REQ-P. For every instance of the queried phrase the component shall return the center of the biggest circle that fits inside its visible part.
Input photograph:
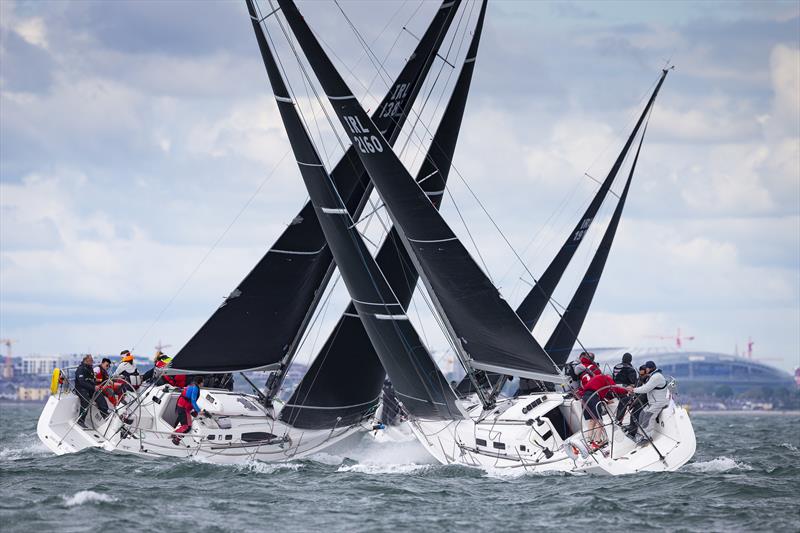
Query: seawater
(744, 477)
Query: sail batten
(473, 310)
(263, 326)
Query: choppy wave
(87, 496)
(719, 464)
(376, 468)
(790, 447)
(23, 446)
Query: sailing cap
(650, 364)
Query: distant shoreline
(749, 412)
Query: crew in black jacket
(85, 388)
(624, 374)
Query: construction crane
(8, 367)
(678, 338)
(160, 347)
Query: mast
(331, 391)
(486, 331)
(561, 341)
(259, 325)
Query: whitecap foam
(87, 496)
(258, 467)
(376, 468)
(326, 458)
(788, 446)
(23, 450)
(719, 464)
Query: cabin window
(523, 448)
(499, 445)
(480, 442)
(211, 437)
(228, 437)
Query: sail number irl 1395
(366, 143)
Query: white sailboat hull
(509, 439)
(238, 429)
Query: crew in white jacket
(657, 398)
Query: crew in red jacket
(587, 360)
(595, 390)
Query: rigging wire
(214, 245)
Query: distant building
(706, 378)
(39, 366)
(32, 394)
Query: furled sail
(259, 324)
(563, 337)
(535, 302)
(331, 392)
(416, 377)
(490, 334)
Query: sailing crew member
(624, 374)
(657, 399)
(587, 360)
(187, 408)
(86, 388)
(126, 375)
(596, 390)
(103, 379)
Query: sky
(144, 168)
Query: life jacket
(666, 383)
(590, 365)
(100, 374)
(184, 400)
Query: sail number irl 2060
(366, 143)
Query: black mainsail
(417, 379)
(487, 333)
(331, 392)
(259, 324)
(561, 341)
(535, 302)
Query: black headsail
(535, 302)
(260, 323)
(417, 380)
(563, 337)
(332, 392)
(487, 332)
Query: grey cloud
(26, 67)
